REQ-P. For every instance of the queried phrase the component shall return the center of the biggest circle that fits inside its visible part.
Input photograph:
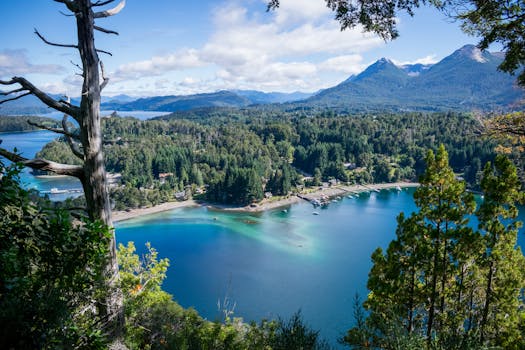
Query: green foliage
(442, 285)
(19, 123)
(239, 155)
(51, 272)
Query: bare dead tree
(87, 145)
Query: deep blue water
(275, 263)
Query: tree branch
(11, 92)
(45, 165)
(69, 138)
(105, 80)
(106, 52)
(54, 44)
(104, 30)
(15, 98)
(102, 3)
(66, 14)
(71, 5)
(42, 96)
(112, 11)
(55, 130)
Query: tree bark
(95, 183)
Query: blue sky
(183, 47)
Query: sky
(170, 47)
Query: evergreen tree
(442, 282)
(503, 262)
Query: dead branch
(55, 130)
(15, 98)
(69, 138)
(106, 52)
(102, 3)
(71, 5)
(42, 96)
(11, 92)
(66, 14)
(54, 44)
(77, 65)
(112, 11)
(105, 80)
(45, 165)
(104, 30)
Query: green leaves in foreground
(50, 273)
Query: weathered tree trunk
(433, 294)
(92, 173)
(94, 182)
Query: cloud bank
(297, 47)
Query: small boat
(351, 197)
(55, 190)
(285, 211)
(398, 188)
(315, 213)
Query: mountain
(27, 105)
(234, 98)
(181, 103)
(415, 69)
(466, 80)
(258, 97)
(118, 99)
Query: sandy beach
(265, 204)
(133, 213)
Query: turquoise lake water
(274, 263)
(269, 264)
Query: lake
(28, 144)
(267, 264)
(277, 262)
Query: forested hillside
(235, 156)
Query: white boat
(55, 190)
(315, 213)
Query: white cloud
(15, 62)
(348, 64)
(429, 59)
(158, 65)
(286, 50)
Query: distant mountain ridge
(466, 80)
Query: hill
(466, 80)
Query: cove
(277, 262)
(273, 263)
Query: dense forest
(20, 123)
(235, 156)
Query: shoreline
(265, 204)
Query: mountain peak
(472, 52)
